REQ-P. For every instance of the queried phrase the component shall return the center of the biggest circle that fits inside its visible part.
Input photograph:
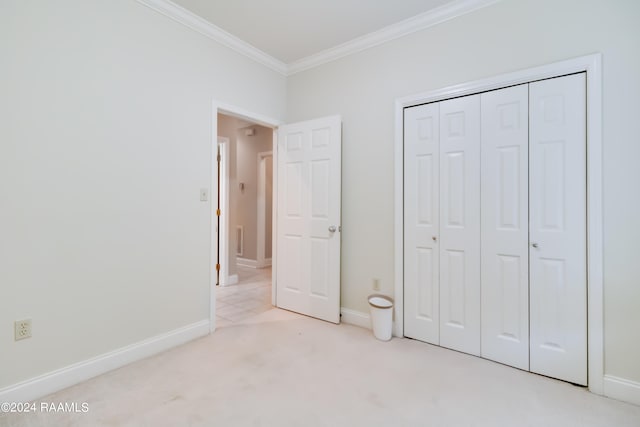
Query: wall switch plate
(204, 194)
(22, 329)
(376, 284)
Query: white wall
(508, 36)
(105, 141)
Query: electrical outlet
(204, 194)
(376, 284)
(22, 329)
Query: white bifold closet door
(421, 221)
(442, 223)
(534, 227)
(505, 226)
(495, 226)
(558, 252)
(460, 224)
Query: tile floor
(250, 296)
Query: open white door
(308, 224)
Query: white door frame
(223, 232)
(592, 64)
(262, 203)
(241, 113)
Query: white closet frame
(592, 65)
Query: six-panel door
(308, 225)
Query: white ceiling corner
(204, 27)
(411, 25)
(445, 12)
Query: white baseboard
(356, 318)
(231, 280)
(252, 263)
(622, 389)
(245, 262)
(82, 371)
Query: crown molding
(204, 27)
(416, 23)
(411, 25)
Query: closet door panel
(460, 224)
(505, 229)
(421, 223)
(558, 278)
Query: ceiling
(290, 30)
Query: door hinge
(217, 267)
(219, 157)
(217, 212)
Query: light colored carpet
(281, 369)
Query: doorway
(305, 221)
(244, 210)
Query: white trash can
(381, 309)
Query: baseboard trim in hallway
(82, 371)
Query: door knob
(332, 229)
(535, 245)
(434, 238)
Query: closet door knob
(434, 238)
(535, 245)
(332, 229)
